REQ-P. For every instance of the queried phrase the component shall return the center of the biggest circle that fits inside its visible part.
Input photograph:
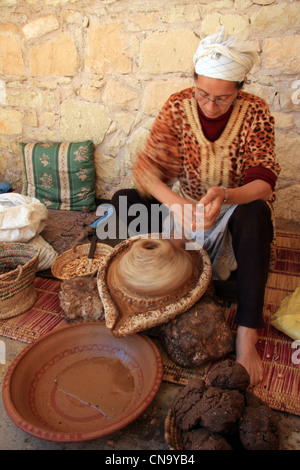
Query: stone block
(3, 162)
(40, 26)
(183, 14)
(290, 98)
(13, 170)
(89, 93)
(282, 53)
(287, 204)
(55, 57)
(114, 143)
(266, 92)
(8, 3)
(5, 142)
(51, 83)
(237, 25)
(82, 121)
(39, 134)
(58, 3)
(47, 119)
(75, 17)
(125, 121)
(135, 144)
(11, 58)
(263, 2)
(167, 52)
(241, 4)
(2, 92)
(287, 152)
(105, 167)
(107, 50)
(220, 4)
(283, 120)
(30, 117)
(117, 94)
(9, 28)
(276, 17)
(30, 98)
(143, 21)
(10, 122)
(158, 91)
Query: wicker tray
(81, 251)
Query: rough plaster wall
(101, 69)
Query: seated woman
(218, 142)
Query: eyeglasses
(219, 102)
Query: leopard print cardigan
(179, 149)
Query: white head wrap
(224, 57)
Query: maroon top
(213, 127)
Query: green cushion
(60, 174)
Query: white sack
(21, 217)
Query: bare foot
(247, 355)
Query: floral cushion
(60, 174)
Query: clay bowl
(128, 312)
(35, 404)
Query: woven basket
(172, 433)
(18, 266)
(69, 256)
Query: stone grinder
(146, 281)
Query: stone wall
(101, 69)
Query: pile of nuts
(78, 266)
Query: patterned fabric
(224, 57)
(178, 148)
(61, 175)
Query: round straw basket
(172, 432)
(73, 262)
(18, 266)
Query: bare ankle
(247, 334)
(247, 355)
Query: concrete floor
(145, 433)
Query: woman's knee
(254, 209)
(253, 217)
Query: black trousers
(252, 233)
